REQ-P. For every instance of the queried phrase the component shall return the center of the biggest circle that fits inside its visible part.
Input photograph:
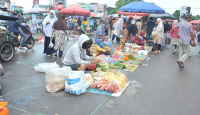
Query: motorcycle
(7, 49)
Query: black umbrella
(9, 18)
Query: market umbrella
(36, 11)
(8, 18)
(195, 22)
(169, 20)
(142, 7)
(75, 11)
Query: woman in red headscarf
(59, 31)
(139, 40)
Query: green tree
(121, 3)
(113, 11)
(177, 14)
(152, 2)
(197, 17)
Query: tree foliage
(121, 3)
(177, 14)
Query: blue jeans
(148, 38)
(109, 44)
(23, 38)
(113, 37)
(60, 53)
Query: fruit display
(103, 66)
(89, 79)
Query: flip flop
(180, 64)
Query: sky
(168, 5)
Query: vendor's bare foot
(122, 50)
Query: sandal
(55, 54)
(180, 64)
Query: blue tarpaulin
(144, 7)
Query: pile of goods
(123, 65)
(110, 81)
(89, 79)
(103, 66)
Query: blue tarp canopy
(144, 7)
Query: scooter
(29, 41)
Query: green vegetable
(120, 65)
(122, 61)
(131, 57)
(113, 67)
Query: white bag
(75, 82)
(51, 44)
(55, 79)
(43, 67)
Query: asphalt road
(162, 88)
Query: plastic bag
(153, 33)
(55, 79)
(51, 44)
(75, 82)
(43, 67)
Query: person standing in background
(79, 21)
(118, 28)
(129, 21)
(197, 28)
(110, 26)
(47, 28)
(91, 24)
(22, 19)
(124, 24)
(59, 31)
(175, 38)
(149, 28)
(159, 36)
(185, 32)
(139, 26)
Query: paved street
(162, 88)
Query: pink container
(102, 56)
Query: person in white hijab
(118, 29)
(159, 36)
(47, 28)
(76, 55)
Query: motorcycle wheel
(6, 52)
(30, 43)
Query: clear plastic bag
(43, 67)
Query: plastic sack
(75, 82)
(55, 79)
(43, 67)
(51, 44)
(153, 33)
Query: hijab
(60, 24)
(98, 42)
(119, 24)
(48, 27)
(160, 28)
(175, 22)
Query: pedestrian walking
(159, 36)
(47, 28)
(175, 39)
(185, 31)
(59, 31)
(149, 28)
(118, 29)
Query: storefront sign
(59, 6)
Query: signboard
(184, 10)
(35, 3)
(84, 6)
(59, 6)
(2, 2)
